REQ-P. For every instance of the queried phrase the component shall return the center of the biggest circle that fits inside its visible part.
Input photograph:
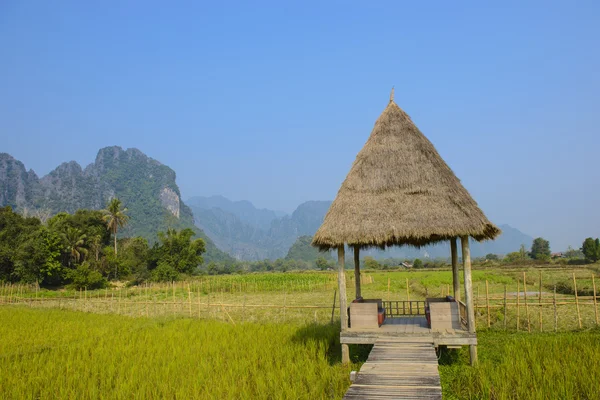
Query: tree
(114, 217)
(491, 257)
(321, 263)
(74, 242)
(371, 263)
(178, 250)
(417, 263)
(540, 249)
(591, 249)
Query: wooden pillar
(466, 256)
(343, 306)
(357, 270)
(455, 277)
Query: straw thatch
(400, 191)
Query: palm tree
(96, 243)
(114, 217)
(74, 241)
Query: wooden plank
(398, 369)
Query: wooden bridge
(399, 368)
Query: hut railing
(401, 308)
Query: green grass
(47, 354)
(526, 366)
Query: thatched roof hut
(400, 191)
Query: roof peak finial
(392, 95)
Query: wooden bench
(366, 313)
(443, 314)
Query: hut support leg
(342, 288)
(357, 270)
(343, 307)
(466, 255)
(455, 277)
(345, 354)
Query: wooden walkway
(398, 368)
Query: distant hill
(230, 225)
(146, 187)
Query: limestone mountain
(146, 187)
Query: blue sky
(271, 101)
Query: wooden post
(595, 301)
(343, 307)
(487, 302)
(576, 300)
(407, 290)
(342, 287)
(357, 271)
(541, 317)
(518, 305)
(455, 276)
(504, 307)
(466, 256)
(525, 298)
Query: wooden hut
(399, 191)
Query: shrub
(164, 273)
(83, 277)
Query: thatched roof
(400, 191)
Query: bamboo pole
(407, 290)
(576, 300)
(333, 308)
(504, 307)
(525, 298)
(518, 305)
(595, 301)
(189, 299)
(487, 301)
(174, 308)
(555, 312)
(284, 308)
(540, 301)
(388, 295)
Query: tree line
(83, 249)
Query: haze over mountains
(248, 233)
(152, 197)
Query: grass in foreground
(526, 366)
(69, 355)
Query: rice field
(524, 366)
(49, 354)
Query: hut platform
(399, 368)
(408, 329)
